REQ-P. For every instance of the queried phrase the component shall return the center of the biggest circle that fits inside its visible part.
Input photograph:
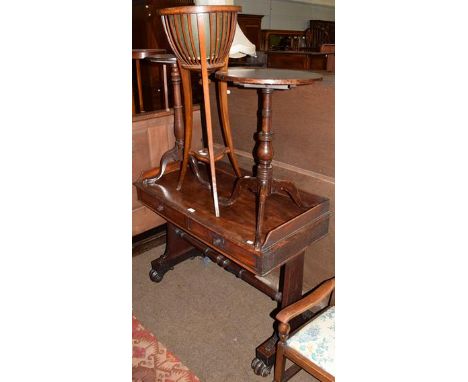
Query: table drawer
(221, 244)
(164, 210)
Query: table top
(139, 54)
(268, 76)
(166, 58)
(287, 230)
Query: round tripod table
(267, 80)
(175, 155)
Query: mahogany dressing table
(235, 240)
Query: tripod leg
(206, 98)
(209, 134)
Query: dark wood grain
(191, 210)
(312, 299)
(322, 32)
(140, 54)
(298, 60)
(176, 252)
(230, 266)
(251, 25)
(165, 58)
(267, 76)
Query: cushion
(316, 341)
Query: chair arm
(306, 302)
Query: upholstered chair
(312, 346)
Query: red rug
(152, 362)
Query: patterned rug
(152, 362)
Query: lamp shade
(241, 46)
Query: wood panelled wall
(152, 136)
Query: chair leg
(280, 363)
(188, 110)
(223, 105)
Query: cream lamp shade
(241, 46)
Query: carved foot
(244, 182)
(260, 368)
(158, 271)
(155, 276)
(173, 155)
(286, 188)
(177, 251)
(196, 171)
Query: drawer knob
(218, 241)
(160, 208)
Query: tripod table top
(266, 77)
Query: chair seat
(316, 341)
